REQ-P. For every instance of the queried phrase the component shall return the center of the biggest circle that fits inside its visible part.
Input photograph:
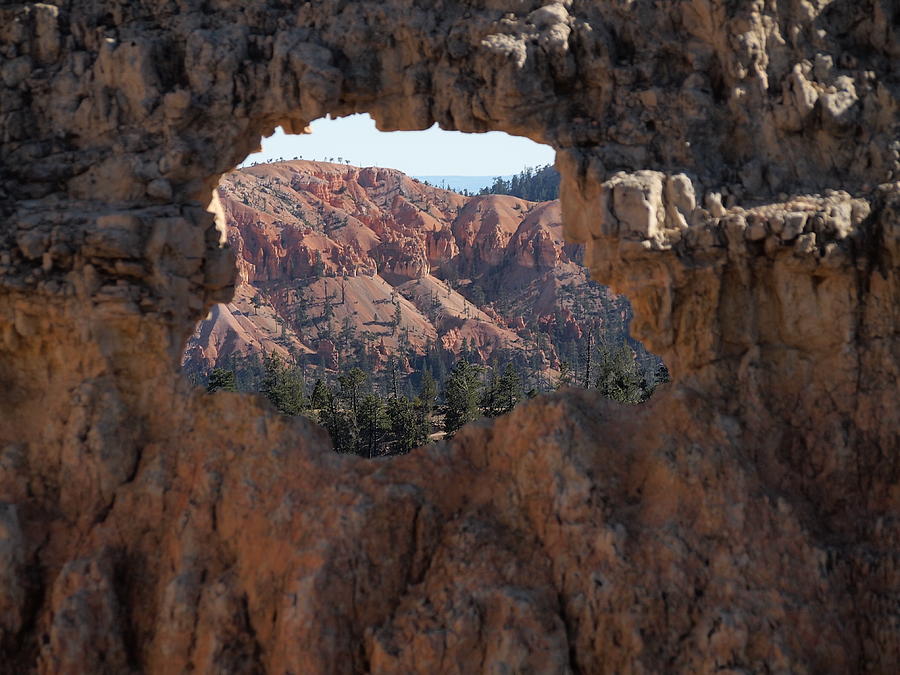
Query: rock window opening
(393, 307)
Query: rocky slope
(733, 167)
(371, 240)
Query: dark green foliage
(372, 423)
(391, 384)
(301, 316)
(351, 385)
(373, 408)
(425, 401)
(462, 394)
(428, 391)
(340, 424)
(510, 390)
(283, 386)
(490, 395)
(318, 269)
(221, 379)
(536, 185)
(620, 377)
(320, 396)
(406, 422)
(347, 335)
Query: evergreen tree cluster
(539, 184)
(363, 420)
(374, 408)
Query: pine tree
(428, 393)
(462, 393)
(619, 375)
(300, 314)
(221, 379)
(490, 395)
(283, 386)
(405, 425)
(319, 398)
(371, 422)
(351, 382)
(537, 185)
(510, 389)
(398, 317)
(318, 269)
(339, 424)
(428, 390)
(346, 336)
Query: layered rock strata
(372, 240)
(732, 167)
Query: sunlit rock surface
(374, 240)
(732, 167)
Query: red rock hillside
(326, 250)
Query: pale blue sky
(417, 153)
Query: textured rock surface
(380, 237)
(732, 167)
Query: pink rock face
(731, 167)
(381, 224)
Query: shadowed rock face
(732, 167)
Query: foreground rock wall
(732, 167)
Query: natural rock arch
(745, 518)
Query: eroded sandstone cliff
(732, 167)
(374, 240)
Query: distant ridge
(459, 183)
(341, 265)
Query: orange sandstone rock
(732, 167)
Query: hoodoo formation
(326, 253)
(732, 167)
